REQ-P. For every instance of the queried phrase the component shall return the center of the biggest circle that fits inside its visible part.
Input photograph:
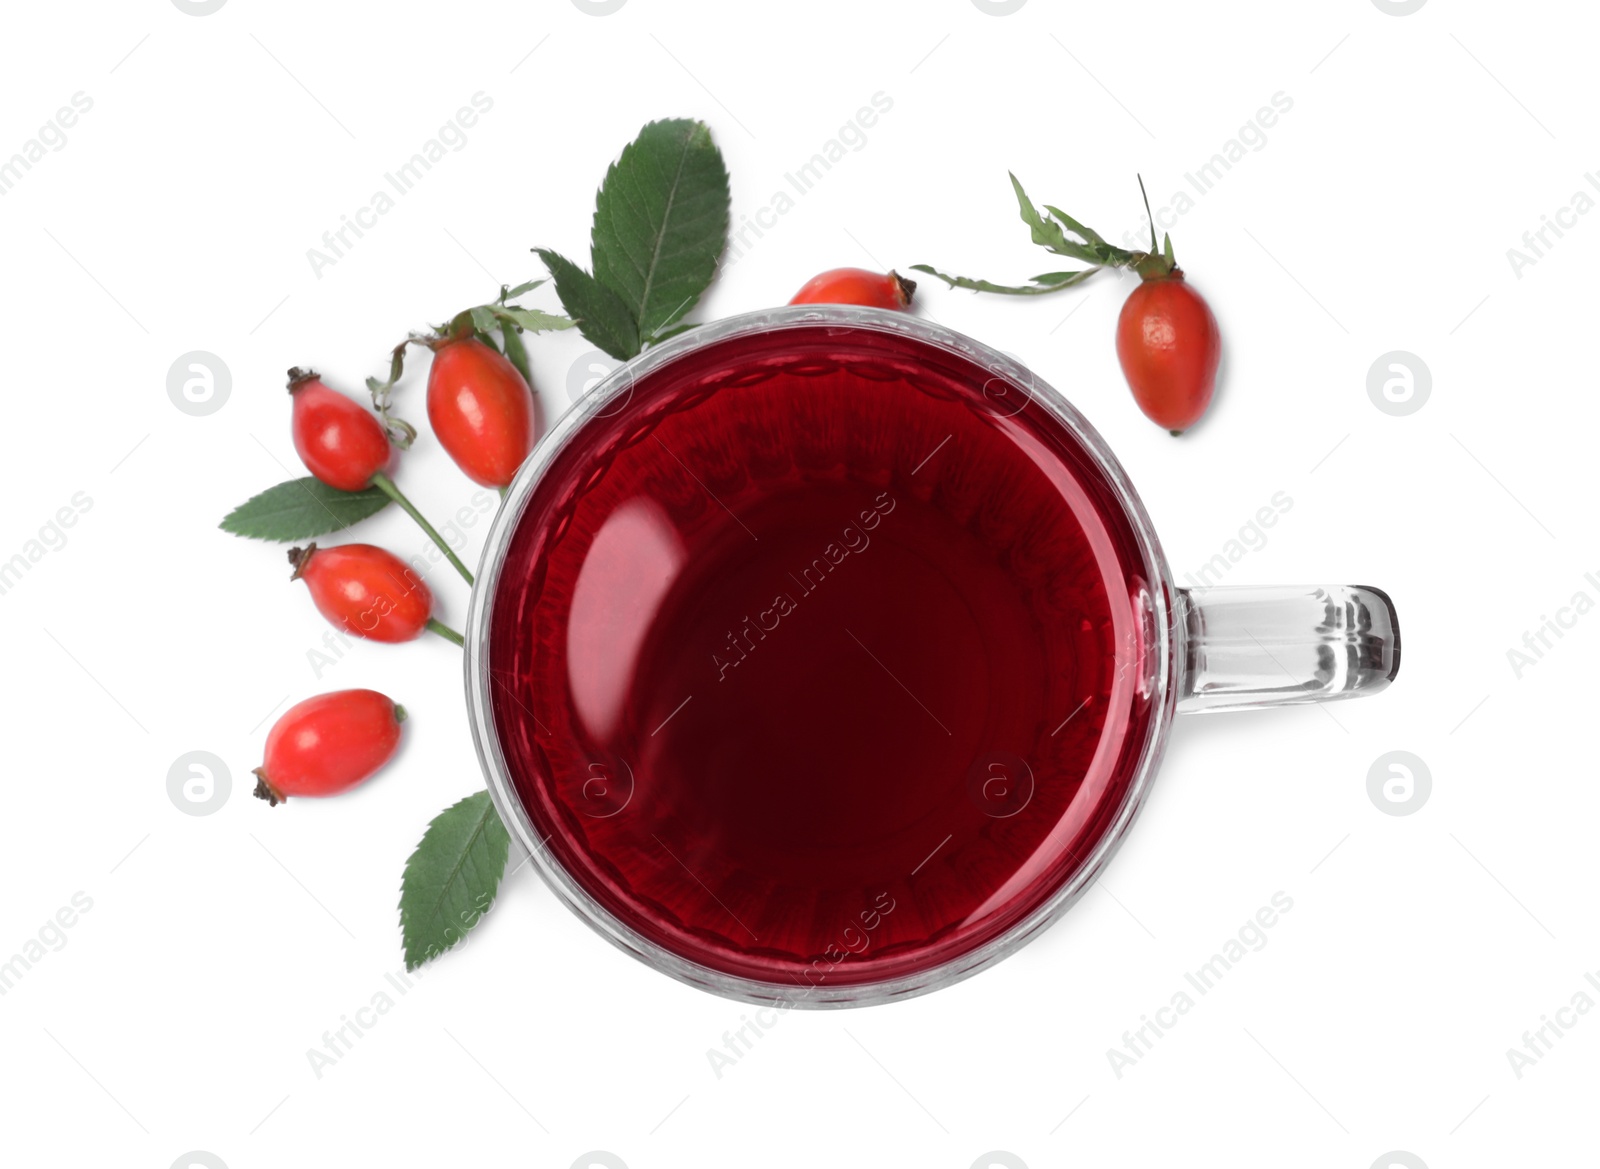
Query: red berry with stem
(481, 410)
(857, 286)
(348, 449)
(1168, 342)
(367, 592)
(328, 744)
(339, 441)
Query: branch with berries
(666, 197)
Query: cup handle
(1251, 647)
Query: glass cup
(1176, 651)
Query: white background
(1377, 217)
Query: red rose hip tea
(814, 656)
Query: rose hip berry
(857, 286)
(1169, 347)
(328, 744)
(365, 590)
(1168, 342)
(339, 442)
(481, 410)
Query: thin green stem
(1154, 247)
(444, 631)
(386, 485)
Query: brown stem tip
(906, 287)
(298, 377)
(299, 558)
(265, 790)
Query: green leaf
(301, 509)
(661, 222)
(1044, 232)
(482, 318)
(451, 879)
(1094, 250)
(601, 314)
(517, 354)
(1039, 288)
(534, 320)
(397, 365)
(512, 293)
(1053, 235)
(1166, 249)
(1099, 251)
(400, 432)
(1088, 233)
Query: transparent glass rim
(1164, 647)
